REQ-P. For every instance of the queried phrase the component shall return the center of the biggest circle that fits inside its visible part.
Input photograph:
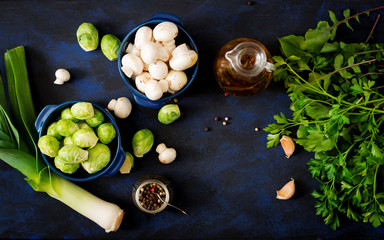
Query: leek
(18, 148)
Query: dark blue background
(226, 178)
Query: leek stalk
(18, 148)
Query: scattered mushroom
(166, 155)
(62, 76)
(122, 107)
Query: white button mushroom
(158, 70)
(162, 52)
(165, 31)
(168, 43)
(132, 49)
(183, 60)
(153, 90)
(141, 80)
(180, 49)
(149, 52)
(176, 79)
(164, 84)
(122, 107)
(143, 35)
(62, 76)
(166, 155)
(133, 62)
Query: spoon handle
(186, 213)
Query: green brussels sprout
(66, 127)
(110, 46)
(65, 168)
(82, 110)
(142, 142)
(169, 113)
(67, 114)
(96, 120)
(98, 157)
(70, 154)
(87, 36)
(52, 131)
(106, 133)
(49, 145)
(68, 140)
(84, 138)
(128, 163)
(83, 125)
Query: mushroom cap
(141, 80)
(165, 31)
(62, 74)
(158, 70)
(177, 80)
(132, 61)
(153, 90)
(143, 35)
(149, 52)
(183, 60)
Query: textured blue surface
(226, 177)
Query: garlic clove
(288, 145)
(287, 191)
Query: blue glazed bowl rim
(126, 80)
(93, 175)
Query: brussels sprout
(66, 127)
(142, 142)
(83, 125)
(106, 133)
(70, 154)
(169, 113)
(82, 110)
(52, 131)
(87, 36)
(98, 157)
(65, 168)
(110, 46)
(96, 120)
(84, 138)
(128, 163)
(68, 140)
(49, 145)
(67, 114)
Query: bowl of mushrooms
(158, 60)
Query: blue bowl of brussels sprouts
(156, 65)
(79, 140)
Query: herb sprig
(337, 114)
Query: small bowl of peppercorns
(146, 191)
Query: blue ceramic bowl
(51, 113)
(182, 37)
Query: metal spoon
(186, 213)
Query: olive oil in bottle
(243, 67)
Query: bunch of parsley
(338, 114)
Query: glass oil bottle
(243, 67)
